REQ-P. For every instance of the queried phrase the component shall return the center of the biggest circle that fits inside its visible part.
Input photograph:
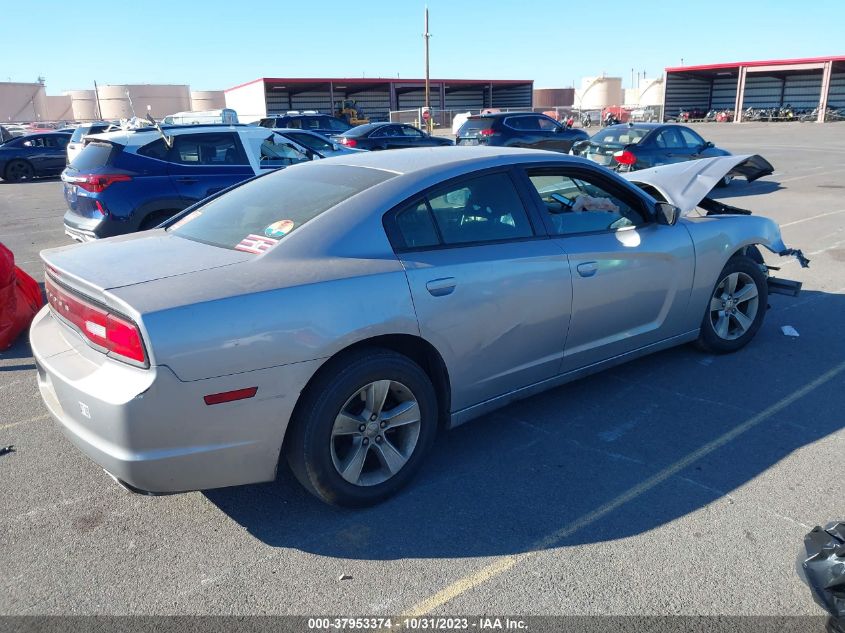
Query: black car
(631, 146)
(375, 136)
(312, 122)
(518, 129)
(33, 155)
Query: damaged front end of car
(688, 186)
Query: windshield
(256, 215)
(623, 135)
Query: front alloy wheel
(736, 307)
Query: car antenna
(168, 140)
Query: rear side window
(254, 216)
(207, 149)
(93, 156)
(156, 149)
(473, 211)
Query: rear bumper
(154, 432)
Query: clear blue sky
(214, 45)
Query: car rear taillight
(116, 335)
(624, 157)
(349, 142)
(487, 132)
(97, 183)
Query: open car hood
(686, 184)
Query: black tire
(18, 170)
(309, 440)
(155, 218)
(708, 339)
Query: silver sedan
(338, 314)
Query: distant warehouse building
(375, 97)
(817, 82)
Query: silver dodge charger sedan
(338, 313)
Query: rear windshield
(623, 135)
(256, 215)
(92, 156)
(472, 127)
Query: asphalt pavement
(681, 483)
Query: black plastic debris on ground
(825, 571)
(7, 449)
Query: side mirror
(667, 214)
(707, 145)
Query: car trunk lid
(102, 265)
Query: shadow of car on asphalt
(501, 484)
(740, 188)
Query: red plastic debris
(20, 299)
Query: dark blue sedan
(33, 156)
(631, 146)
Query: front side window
(547, 125)
(207, 149)
(277, 151)
(409, 131)
(272, 206)
(336, 125)
(691, 139)
(574, 205)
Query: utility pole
(426, 37)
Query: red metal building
(815, 82)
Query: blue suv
(133, 180)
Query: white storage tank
(596, 93)
(202, 100)
(651, 91)
(83, 104)
(162, 99)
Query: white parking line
(504, 563)
(812, 217)
(820, 173)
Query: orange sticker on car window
(279, 229)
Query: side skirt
(476, 410)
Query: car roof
(142, 136)
(501, 115)
(446, 158)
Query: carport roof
(767, 62)
(380, 80)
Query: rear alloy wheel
(18, 170)
(362, 428)
(736, 308)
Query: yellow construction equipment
(349, 110)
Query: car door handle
(188, 180)
(441, 287)
(587, 269)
